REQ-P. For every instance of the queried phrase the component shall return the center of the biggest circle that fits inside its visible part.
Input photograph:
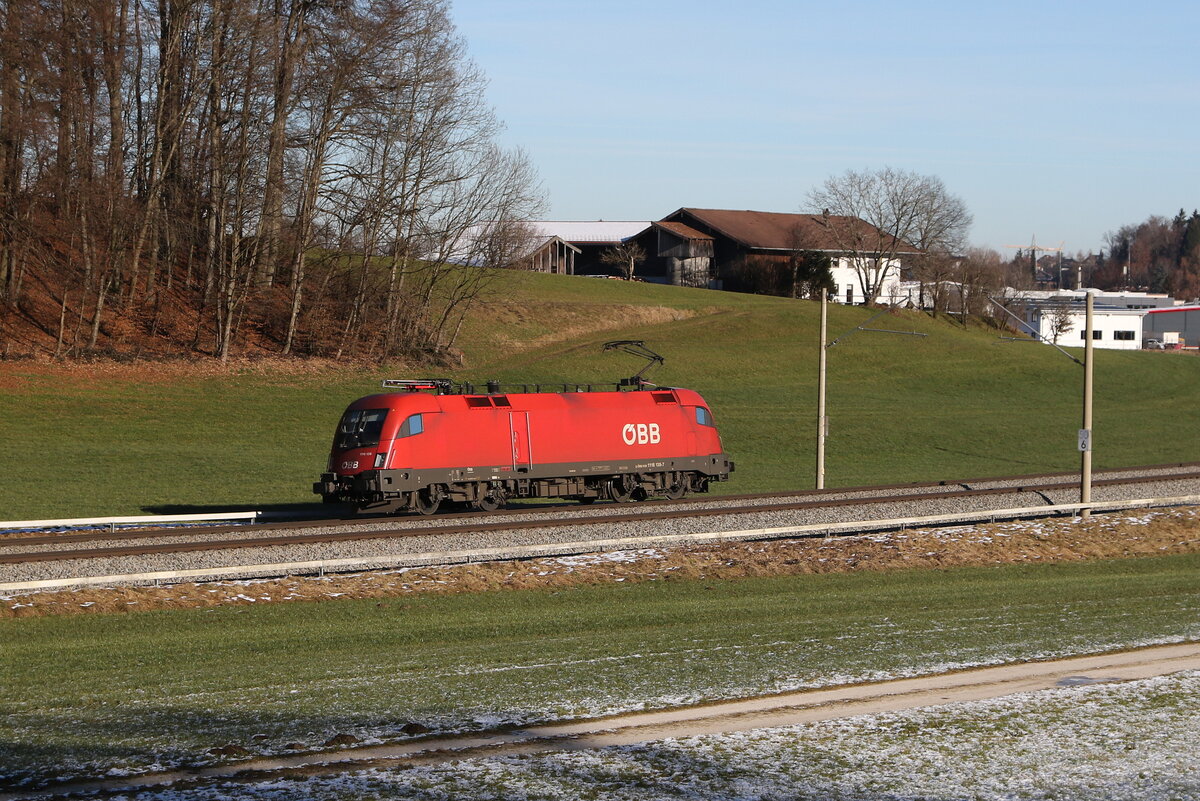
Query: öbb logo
(641, 433)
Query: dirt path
(754, 713)
(890, 696)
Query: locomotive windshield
(360, 428)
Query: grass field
(94, 694)
(959, 402)
(1126, 741)
(98, 693)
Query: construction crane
(1033, 247)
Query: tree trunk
(290, 49)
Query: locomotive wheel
(678, 487)
(426, 501)
(622, 489)
(490, 502)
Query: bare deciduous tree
(1059, 321)
(506, 244)
(624, 257)
(906, 214)
(213, 148)
(981, 274)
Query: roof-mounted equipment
(635, 347)
(445, 386)
(438, 385)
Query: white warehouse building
(1116, 329)
(1059, 316)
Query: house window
(1097, 334)
(1125, 335)
(849, 293)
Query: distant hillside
(520, 310)
(957, 402)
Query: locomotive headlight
(380, 460)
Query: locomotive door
(518, 427)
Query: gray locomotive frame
(489, 487)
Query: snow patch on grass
(1136, 740)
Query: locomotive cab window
(412, 425)
(360, 428)
(704, 416)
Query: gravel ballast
(411, 549)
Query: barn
(753, 251)
(588, 240)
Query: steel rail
(556, 508)
(548, 507)
(578, 521)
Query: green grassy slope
(88, 693)
(958, 402)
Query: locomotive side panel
(619, 427)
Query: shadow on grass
(652, 770)
(992, 456)
(180, 742)
(173, 739)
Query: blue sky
(1060, 120)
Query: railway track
(27, 558)
(782, 500)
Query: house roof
(770, 230)
(1170, 309)
(544, 241)
(591, 232)
(682, 231)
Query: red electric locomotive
(431, 441)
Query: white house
(848, 283)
